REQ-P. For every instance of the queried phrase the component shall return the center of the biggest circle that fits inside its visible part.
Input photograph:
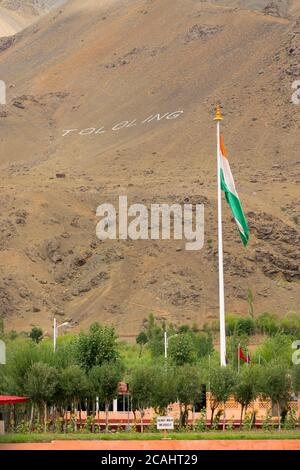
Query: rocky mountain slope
(15, 15)
(91, 65)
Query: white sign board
(165, 423)
(2, 92)
(2, 352)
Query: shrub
(278, 346)
(247, 422)
(230, 424)
(290, 421)
(231, 322)
(238, 325)
(36, 334)
(267, 422)
(152, 426)
(182, 349)
(290, 324)
(267, 323)
(204, 344)
(201, 422)
(216, 420)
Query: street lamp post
(166, 343)
(55, 331)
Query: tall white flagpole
(54, 333)
(219, 118)
(166, 345)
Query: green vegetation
(188, 384)
(153, 436)
(263, 324)
(164, 389)
(90, 365)
(246, 388)
(142, 389)
(104, 381)
(141, 339)
(275, 384)
(40, 385)
(97, 346)
(222, 385)
(36, 334)
(296, 378)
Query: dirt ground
(159, 445)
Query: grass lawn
(219, 435)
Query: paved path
(159, 445)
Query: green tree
(188, 388)
(203, 343)
(155, 334)
(20, 359)
(36, 334)
(296, 378)
(278, 346)
(246, 388)
(141, 340)
(238, 325)
(163, 388)
(290, 323)
(182, 349)
(74, 387)
(275, 384)
(141, 387)
(65, 354)
(12, 335)
(97, 346)
(267, 324)
(183, 329)
(222, 383)
(1, 325)
(40, 385)
(105, 380)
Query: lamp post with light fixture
(55, 331)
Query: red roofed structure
(10, 400)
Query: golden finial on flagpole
(218, 116)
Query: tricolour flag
(231, 195)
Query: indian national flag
(228, 186)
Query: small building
(7, 407)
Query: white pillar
(115, 405)
(166, 344)
(220, 251)
(54, 334)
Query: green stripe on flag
(236, 210)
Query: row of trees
(273, 381)
(264, 324)
(92, 364)
(185, 344)
(156, 387)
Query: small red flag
(243, 357)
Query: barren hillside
(93, 64)
(15, 15)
